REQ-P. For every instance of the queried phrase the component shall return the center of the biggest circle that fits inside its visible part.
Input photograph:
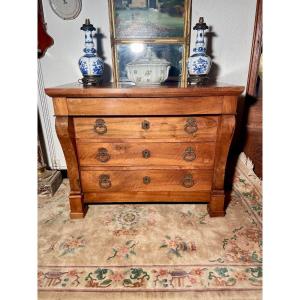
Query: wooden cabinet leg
(66, 135)
(216, 206)
(77, 208)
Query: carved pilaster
(65, 132)
(225, 134)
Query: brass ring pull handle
(189, 154)
(103, 155)
(100, 126)
(145, 124)
(104, 181)
(188, 181)
(146, 153)
(190, 126)
(146, 179)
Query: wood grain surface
(124, 196)
(65, 132)
(172, 128)
(198, 155)
(161, 180)
(216, 206)
(122, 90)
(165, 143)
(146, 106)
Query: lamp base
(198, 80)
(91, 80)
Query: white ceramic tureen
(148, 70)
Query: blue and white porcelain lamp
(90, 64)
(199, 63)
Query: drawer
(146, 180)
(198, 155)
(145, 106)
(182, 128)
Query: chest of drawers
(151, 144)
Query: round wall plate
(66, 9)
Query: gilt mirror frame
(119, 40)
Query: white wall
(60, 64)
(231, 20)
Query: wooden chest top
(126, 90)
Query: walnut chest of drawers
(145, 144)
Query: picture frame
(164, 25)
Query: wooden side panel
(172, 128)
(105, 197)
(198, 155)
(65, 132)
(160, 180)
(145, 106)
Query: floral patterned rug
(153, 247)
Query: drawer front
(198, 155)
(146, 180)
(145, 106)
(183, 128)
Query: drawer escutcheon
(145, 124)
(146, 179)
(146, 153)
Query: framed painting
(162, 24)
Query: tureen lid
(149, 58)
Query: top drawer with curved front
(174, 128)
